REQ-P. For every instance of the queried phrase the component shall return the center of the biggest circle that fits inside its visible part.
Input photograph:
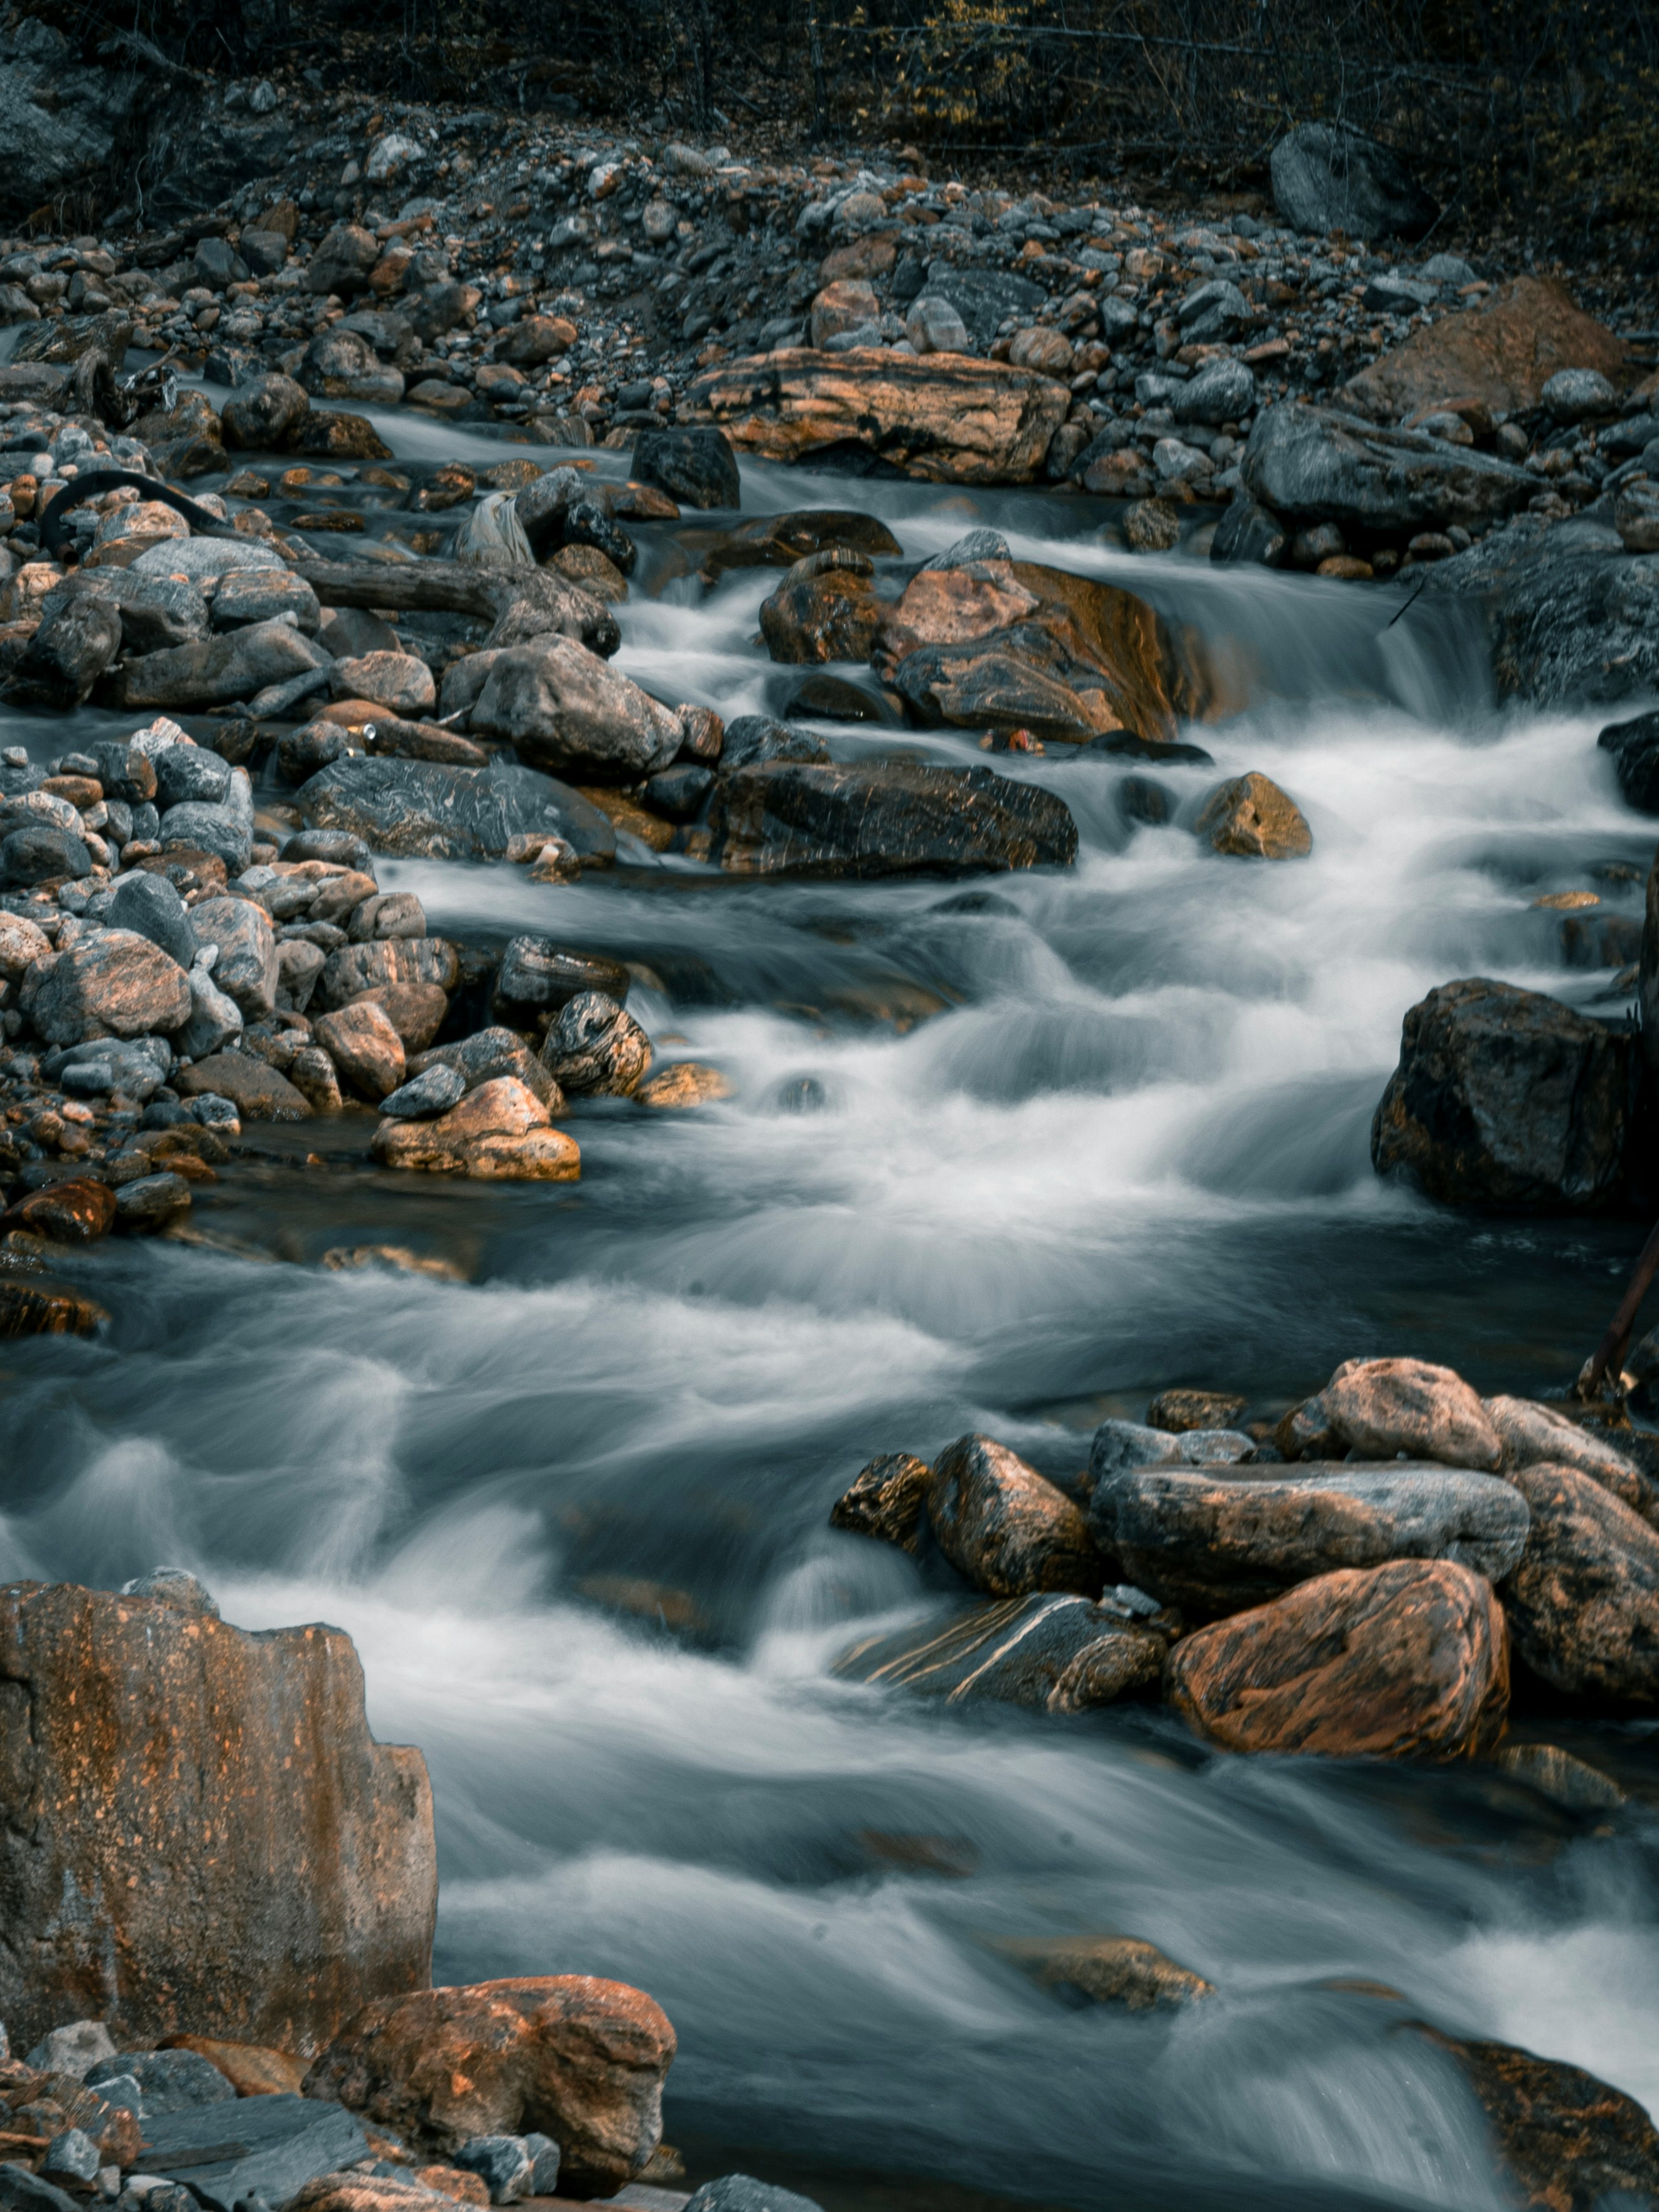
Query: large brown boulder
(1499, 356)
(1503, 1097)
(571, 2057)
(200, 1832)
(1006, 1527)
(1404, 1661)
(1212, 1541)
(1382, 1407)
(1566, 2141)
(951, 419)
(1584, 1603)
(1532, 1432)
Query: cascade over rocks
(1503, 1097)
(319, 1891)
(568, 2055)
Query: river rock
(1060, 1654)
(1118, 1445)
(318, 1894)
(1384, 1408)
(214, 671)
(887, 1499)
(778, 541)
(538, 976)
(1408, 1660)
(1213, 1543)
(1584, 1603)
(563, 708)
(257, 1091)
(884, 818)
(216, 1020)
(22, 943)
(1222, 392)
(982, 297)
(397, 681)
(341, 262)
(351, 970)
(695, 466)
(1251, 818)
(1499, 355)
(595, 1049)
(1006, 1528)
(1106, 1969)
(114, 984)
(825, 609)
(434, 1090)
(1329, 176)
(78, 1211)
(1503, 1097)
(271, 2148)
(502, 2163)
(499, 1132)
(42, 853)
(77, 639)
(947, 418)
(1568, 622)
(1314, 464)
(1564, 2139)
(1634, 745)
(1531, 1433)
(261, 413)
(568, 2055)
(364, 1046)
(421, 807)
(487, 1053)
(246, 970)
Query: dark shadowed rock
(1212, 1543)
(1314, 464)
(1634, 745)
(317, 1891)
(1250, 531)
(887, 1498)
(595, 1049)
(41, 853)
(878, 818)
(1060, 1654)
(538, 976)
(257, 1091)
(1404, 1661)
(568, 2055)
(77, 639)
(403, 806)
(1568, 622)
(1566, 2141)
(695, 466)
(213, 671)
(1006, 1528)
(1584, 1603)
(261, 413)
(825, 609)
(1329, 176)
(1503, 1097)
(778, 541)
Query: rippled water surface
(1100, 1132)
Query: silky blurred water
(1103, 1132)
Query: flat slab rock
(885, 819)
(406, 806)
(1317, 463)
(272, 2145)
(1213, 1542)
(947, 418)
(1060, 1654)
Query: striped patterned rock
(1062, 1654)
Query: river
(1008, 1162)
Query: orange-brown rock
(1501, 354)
(887, 1498)
(76, 1213)
(453, 2181)
(578, 2059)
(201, 1833)
(253, 2069)
(1405, 1660)
(947, 418)
(354, 2192)
(41, 1310)
(1584, 1604)
(1108, 1969)
(499, 1132)
(1566, 2141)
(825, 609)
(1382, 1407)
(1005, 1526)
(1250, 818)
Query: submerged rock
(884, 818)
(1503, 1097)
(1409, 1660)
(886, 1499)
(317, 1892)
(1106, 1969)
(1060, 1654)
(579, 2059)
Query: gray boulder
(78, 639)
(1327, 176)
(341, 262)
(1572, 617)
(1313, 463)
(213, 1021)
(1212, 310)
(73, 2050)
(1119, 1446)
(214, 671)
(258, 595)
(224, 827)
(275, 2146)
(1222, 392)
(155, 611)
(261, 413)
(168, 2080)
(982, 297)
(566, 709)
(406, 806)
(246, 969)
(151, 907)
(190, 772)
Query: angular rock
(1409, 1660)
(1584, 1603)
(594, 1050)
(1383, 1408)
(1634, 745)
(266, 2148)
(1106, 1969)
(215, 1019)
(1329, 176)
(257, 1091)
(365, 1047)
(1499, 355)
(217, 669)
(487, 1053)
(502, 2163)
(887, 1498)
(576, 2059)
(1251, 818)
(434, 1090)
(404, 807)
(1004, 1527)
(982, 297)
(1213, 1543)
(75, 2049)
(564, 708)
(262, 413)
(1568, 622)
(538, 976)
(415, 1011)
(741, 2192)
(168, 2080)
(351, 970)
(1530, 1433)
(1060, 1654)
(1565, 2139)
(947, 418)
(114, 984)
(245, 971)
(1315, 464)
(1503, 1097)
(499, 1132)
(884, 818)
(77, 639)
(343, 261)
(695, 466)
(317, 1893)
(825, 609)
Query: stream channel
(1010, 1161)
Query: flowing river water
(1008, 1161)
